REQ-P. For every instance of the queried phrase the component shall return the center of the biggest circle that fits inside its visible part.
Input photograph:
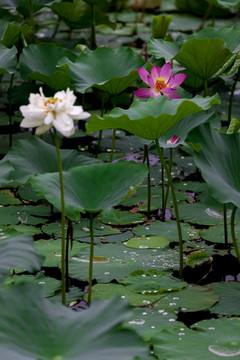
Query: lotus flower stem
(167, 192)
(114, 132)
(163, 183)
(146, 157)
(10, 110)
(31, 13)
(63, 264)
(90, 259)
(206, 91)
(225, 224)
(234, 240)
(100, 131)
(166, 168)
(231, 96)
(69, 237)
(93, 42)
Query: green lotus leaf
(234, 127)
(30, 215)
(8, 198)
(40, 158)
(45, 330)
(115, 69)
(203, 57)
(38, 62)
(229, 293)
(197, 258)
(160, 48)
(191, 298)
(18, 252)
(78, 15)
(91, 187)
(152, 282)
(8, 60)
(6, 172)
(147, 242)
(218, 161)
(210, 339)
(183, 128)
(107, 291)
(229, 34)
(116, 217)
(200, 213)
(14, 4)
(153, 118)
(114, 261)
(216, 233)
(225, 3)
(12, 32)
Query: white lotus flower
(58, 111)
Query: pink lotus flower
(161, 82)
(173, 140)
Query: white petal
(49, 118)
(42, 129)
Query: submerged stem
(234, 240)
(91, 259)
(63, 264)
(175, 208)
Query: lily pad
(166, 229)
(147, 242)
(121, 218)
(30, 215)
(8, 198)
(51, 320)
(212, 339)
(216, 234)
(152, 282)
(107, 291)
(229, 293)
(197, 258)
(153, 118)
(199, 213)
(116, 69)
(148, 322)
(90, 188)
(192, 298)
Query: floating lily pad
(74, 294)
(116, 69)
(199, 213)
(197, 258)
(166, 229)
(122, 218)
(25, 229)
(193, 186)
(30, 215)
(148, 322)
(8, 198)
(192, 298)
(152, 282)
(212, 339)
(229, 293)
(147, 242)
(216, 234)
(153, 118)
(52, 321)
(107, 291)
(90, 188)
(49, 285)
(51, 250)
(116, 261)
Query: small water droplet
(42, 282)
(137, 322)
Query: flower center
(51, 100)
(160, 84)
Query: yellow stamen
(160, 84)
(51, 100)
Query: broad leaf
(229, 34)
(43, 330)
(18, 252)
(152, 119)
(114, 70)
(225, 3)
(218, 161)
(38, 62)
(39, 158)
(210, 339)
(203, 57)
(90, 188)
(8, 60)
(160, 48)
